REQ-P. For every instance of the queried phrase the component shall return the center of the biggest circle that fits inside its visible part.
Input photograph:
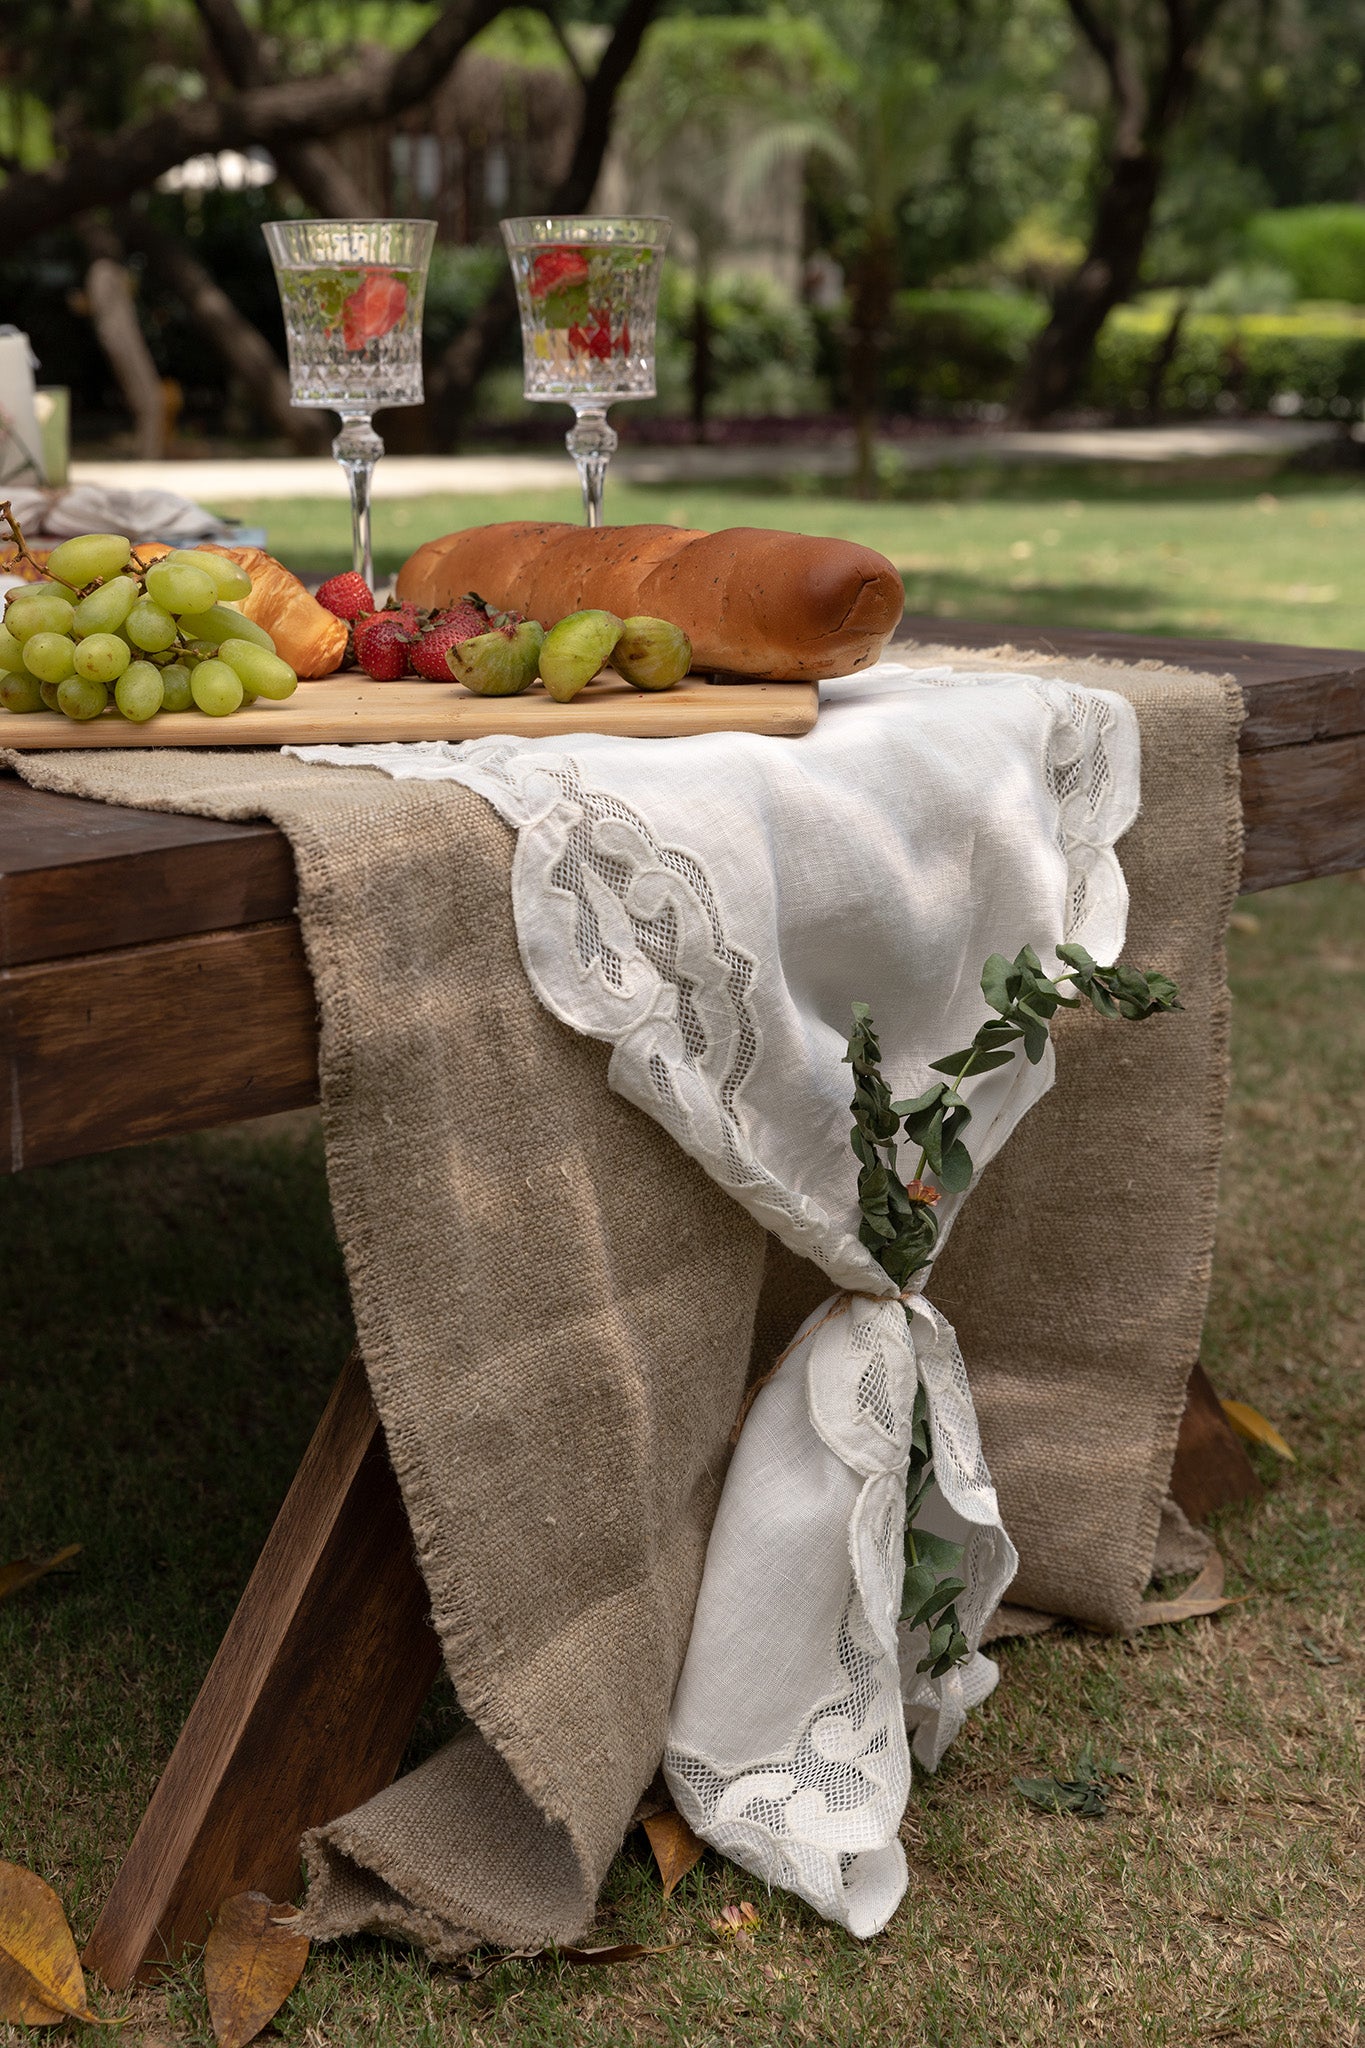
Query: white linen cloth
(711, 907)
(144, 512)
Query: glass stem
(592, 443)
(357, 448)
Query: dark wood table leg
(306, 1709)
(1211, 1469)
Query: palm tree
(707, 95)
(884, 114)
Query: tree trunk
(113, 314)
(701, 352)
(1055, 373)
(242, 347)
(1163, 357)
(872, 282)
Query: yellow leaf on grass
(24, 1570)
(1203, 1595)
(676, 1848)
(1250, 1423)
(40, 1973)
(252, 1961)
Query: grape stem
(21, 547)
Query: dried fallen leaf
(1250, 1423)
(1203, 1595)
(41, 1983)
(676, 1848)
(24, 1570)
(619, 1952)
(252, 1961)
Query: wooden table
(115, 921)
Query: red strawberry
(555, 268)
(347, 596)
(374, 308)
(462, 621)
(410, 616)
(386, 650)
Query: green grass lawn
(171, 1319)
(1244, 560)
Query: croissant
(305, 633)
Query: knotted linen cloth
(711, 907)
(565, 1634)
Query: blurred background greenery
(953, 211)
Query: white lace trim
(819, 1813)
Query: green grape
(223, 623)
(48, 693)
(216, 690)
(49, 656)
(81, 699)
(180, 587)
(102, 657)
(11, 652)
(89, 558)
(33, 611)
(21, 692)
(106, 608)
(140, 692)
(265, 675)
(229, 580)
(149, 627)
(175, 683)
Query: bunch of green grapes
(164, 638)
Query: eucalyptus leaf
(956, 1169)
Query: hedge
(1321, 247)
(956, 351)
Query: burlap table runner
(562, 1475)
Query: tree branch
(450, 383)
(111, 168)
(551, 13)
(320, 179)
(1125, 82)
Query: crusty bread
(756, 602)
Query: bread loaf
(757, 602)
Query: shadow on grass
(950, 594)
(171, 1321)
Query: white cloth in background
(711, 907)
(65, 510)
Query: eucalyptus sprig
(898, 1221)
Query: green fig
(498, 664)
(651, 654)
(575, 650)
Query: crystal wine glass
(352, 293)
(587, 289)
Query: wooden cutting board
(351, 708)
